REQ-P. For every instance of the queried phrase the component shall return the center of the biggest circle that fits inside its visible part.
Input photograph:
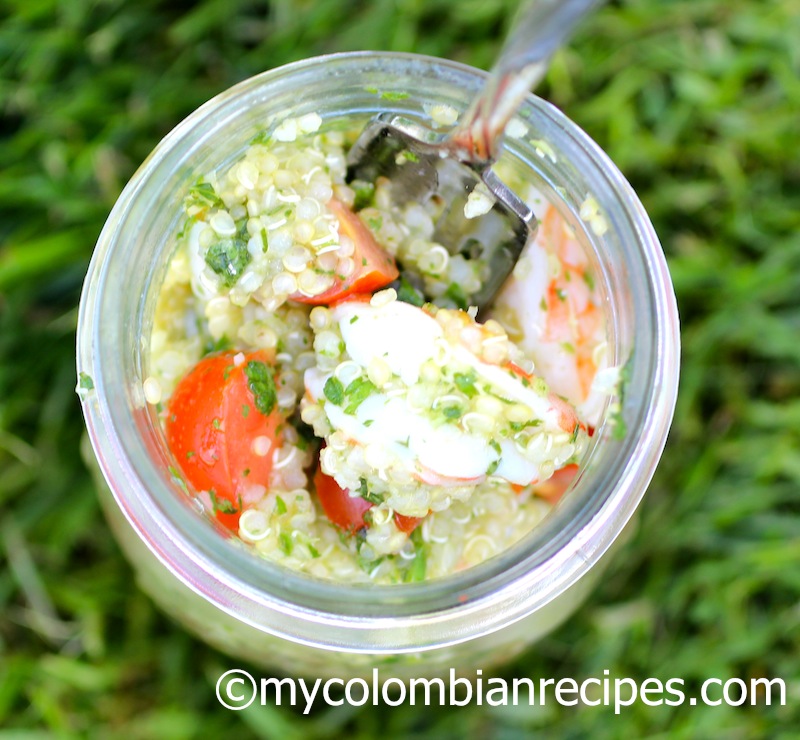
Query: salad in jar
(342, 419)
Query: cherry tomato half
(222, 428)
(346, 511)
(374, 268)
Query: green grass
(698, 101)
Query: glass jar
(256, 610)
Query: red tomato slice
(346, 511)
(374, 268)
(556, 485)
(212, 422)
(406, 524)
(340, 507)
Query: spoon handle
(543, 26)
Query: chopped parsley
(452, 412)
(202, 195)
(285, 543)
(222, 505)
(416, 571)
(620, 428)
(407, 293)
(389, 95)
(518, 426)
(178, 479)
(245, 410)
(219, 345)
(262, 138)
(85, 382)
(262, 384)
(492, 466)
(228, 259)
(365, 194)
(465, 382)
(456, 294)
(280, 505)
(367, 495)
(357, 392)
(334, 390)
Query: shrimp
(438, 404)
(551, 309)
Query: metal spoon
(422, 163)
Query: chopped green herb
(456, 294)
(588, 279)
(280, 505)
(219, 345)
(543, 304)
(416, 571)
(228, 259)
(452, 412)
(312, 550)
(334, 390)
(374, 224)
(85, 382)
(369, 422)
(222, 505)
(178, 479)
(492, 467)
(568, 347)
(264, 241)
(203, 195)
(409, 156)
(246, 472)
(367, 495)
(465, 382)
(518, 426)
(495, 445)
(363, 261)
(365, 194)
(262, 138)
(262, 384)
(216, 422)
(389, 95)
(357, 392)
(407, 293)
(562, 294)
(354, 319)
(245, 410)
(575, 431)
(285, 543)
(617, 421)
(190, 454)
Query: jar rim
(374, 618)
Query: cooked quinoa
(261, 243)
